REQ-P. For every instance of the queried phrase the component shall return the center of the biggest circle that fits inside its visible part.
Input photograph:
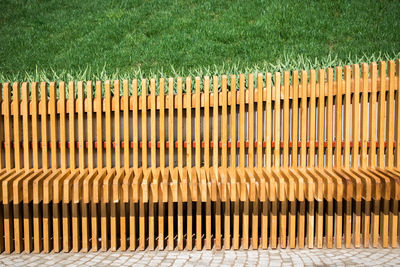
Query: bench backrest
(136, 124)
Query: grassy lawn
(100, 39)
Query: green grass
(96, 39)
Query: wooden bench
(301, 163)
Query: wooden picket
(301, 159)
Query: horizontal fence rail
(299, 159)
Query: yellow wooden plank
(2, 123)
(162, 123)
(356, 116)
(250, 121)
(7, 126)
(71, 105)
(347, 116)
(381, 114)
(43, 113)
(285, 152)
(63, 137)
(277, 121)
(196, 186)
(224, 122)
(17, 125)
(81, 129)
(329, 120)
(397, 129)
(233, 129)
(303, 117)
(206, 122)
(180, 161)
(311, 120)
(99, 124)
(53, 123)
(268, 121)
(25, 127)
(321, 117)
(189, 146)
(215, 127)
(390, 116)
(117, 124)
(242, 121)
(338, 117)
(153, 126)
(171, 163)
(89, 114)
(364, 117)
(144, 123)
(295, 118)
(372, 116)
(260, 124)
(125, 88)
(107, 103)
(135, 126)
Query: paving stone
(211, 258)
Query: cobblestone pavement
(286, 257)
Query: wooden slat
(390, 116)
(286, 127)
(295, 119)
(321, 117)
(2, 123)
(312, 119)
(356, 117)
(81, 128)
(125, 88)
(176, 178)
(268, 121)
(90, 133)
(277, 122)
(153, 122)
(162, 123)
(161, 234)
(117, 124)
(381, 117)
(329, 120)
(99, 125)
(71, 106)
(233, 121)
(241, 121)
(196, 186)
(53, 123)
(260, 124)
(25, 128)
(303, 117)
(189, 220)
(224, 123)
(250, 121)
(338, 118)
(108, 129)
(63, 138)
(397, 129)
(43, 112)
(384, 220)
(7, 126)
(347, 117)
(171, 161)
(372, 116)
(17, 125)
(135, 126)
(364, 119)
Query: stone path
(286, 257)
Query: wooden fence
(260, 164)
